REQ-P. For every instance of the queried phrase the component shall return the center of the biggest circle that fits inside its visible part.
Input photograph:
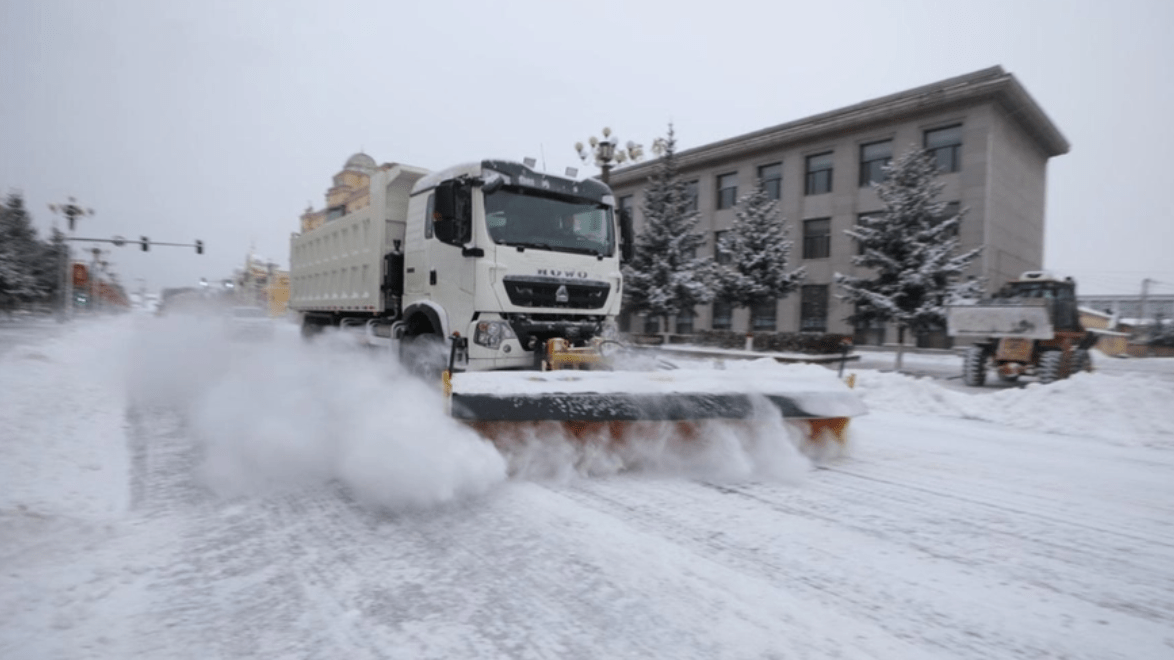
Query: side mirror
(627, 243)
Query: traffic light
(199, 247)
(143, 241)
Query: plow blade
(611, 407)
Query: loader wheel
(1052, 367)
(1081, 360)
(974, 367)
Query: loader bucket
(616, 408)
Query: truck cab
(508, 258)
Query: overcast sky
(223, 120)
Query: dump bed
(340, 266)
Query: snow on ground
(169, 494)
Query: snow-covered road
(169, 496)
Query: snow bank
(1126, 410)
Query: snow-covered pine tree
(19, 250)
(665, 277)
(759, 250)
(911, 249)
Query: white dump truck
(494, 252)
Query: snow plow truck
(1031, 327)
(504, 284)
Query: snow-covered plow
(615, 408)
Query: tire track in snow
(1039, 553)
(948, 603)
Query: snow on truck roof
(517, 174)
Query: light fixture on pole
(605, 155)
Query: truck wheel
(424, 356)
(974, 367)
(1052, 367)
(1081, 361)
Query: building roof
(987, 84)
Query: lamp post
(71, 212)
(605, 154)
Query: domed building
(349, 193)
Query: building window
(771, 177)
(720, 255)
(335, 212)
(691, 196)
(813, 308)
(685, 323)
(651, 325)
(762, 316)
(723, 315)
(817, 238)
(727, 190)
(873, 157)
(819, 174)
(945, 145)
(626, 203)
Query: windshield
(524, 218)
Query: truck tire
(1052, 366)
(1081, 360)
(424, 356)
(974, 367)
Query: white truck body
(507, 282)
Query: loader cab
(1060, 294)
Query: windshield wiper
(595, 252)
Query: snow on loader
(1029, 328)
(578, 394)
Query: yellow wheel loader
(1029, 328)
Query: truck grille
(558, 293)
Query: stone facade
(992, 138)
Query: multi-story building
(991, 140)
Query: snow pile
(1127, 410)
(284, 414)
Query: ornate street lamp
(605, 155)
(71, 211)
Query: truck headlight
(491, 334)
